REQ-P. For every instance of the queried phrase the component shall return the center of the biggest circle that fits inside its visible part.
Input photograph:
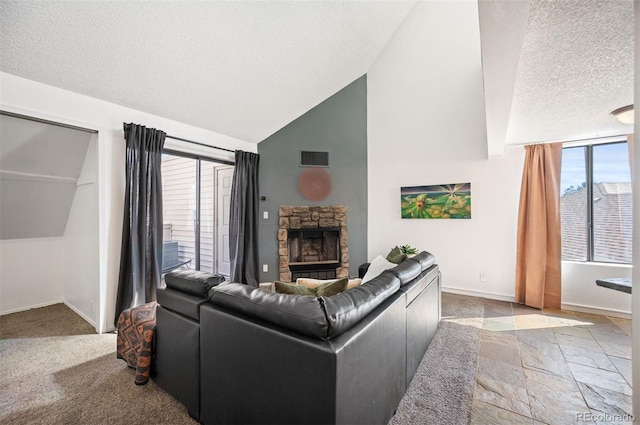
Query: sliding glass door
(190, 208)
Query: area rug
(441, 392)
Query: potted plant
(409, 250)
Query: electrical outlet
(265, 268)
(265, 214)
(483, 277)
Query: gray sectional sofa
(236, 354)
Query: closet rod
(43, 121)
(198, 143)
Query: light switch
(265, 268)
(265, 214)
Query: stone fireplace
(313, 242)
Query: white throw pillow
(377, 266)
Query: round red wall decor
(315, 184)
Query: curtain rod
(198, 143)
(613, 136)
(43, 121)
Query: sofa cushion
(300, 314)
(425, 259)
(407, 270)
(313, 283)
(377, 266)
(325, 289)
(291, 289)
(396, 256)
(192, 282)
(348, 308)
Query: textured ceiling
(240, 68)
(553, 70)
(574, 66)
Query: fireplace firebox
(313, 242)
(314, 253)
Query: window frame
(198, 180)
(588, 158)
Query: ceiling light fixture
(624, 114)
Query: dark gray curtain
(243, 223)
(141, 256)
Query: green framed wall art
(441, 201)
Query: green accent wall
(339, 126)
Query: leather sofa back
(425, 259)
(406, 271)
(319, 317)
(347, 308)
(302, 314)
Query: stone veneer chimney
(309, 218)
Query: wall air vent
(314, 159)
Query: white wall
(28, 97)
(81, 255)
(580, 292)
(426, 125)
(31, 274)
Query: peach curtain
(538, 258)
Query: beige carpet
(56, 370)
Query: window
(595, 203)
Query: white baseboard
(565, 306)
(597, 310)
(81, 314)
(489, 295)
(31, 307)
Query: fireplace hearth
(313, 242)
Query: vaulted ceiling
(553, 70)
(240, 68)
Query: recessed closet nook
(49, 234)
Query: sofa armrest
(176, 365)
(192, 282)
(179, 302)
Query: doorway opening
(196, 206)
(49, 216)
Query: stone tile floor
(552, 367)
